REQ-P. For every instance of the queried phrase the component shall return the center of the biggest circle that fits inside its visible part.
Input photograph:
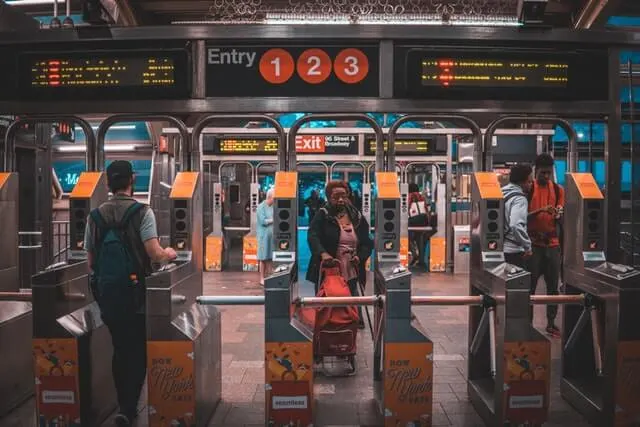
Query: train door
(312, 180)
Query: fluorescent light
(116, 127)
(31, 2)
(83, 148)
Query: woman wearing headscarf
(264, 233)
(340, 232)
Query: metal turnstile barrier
(72, 348)
(441, 252)
(183, 338)
(509, 361)
(601, 342)
(15, 313)
(215, 242)
(16, 307)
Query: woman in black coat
(340, 232)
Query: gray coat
(516, 211)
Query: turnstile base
(585, 396)
(481, 395)
(16, 369)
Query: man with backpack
(546, 205)
(121, 239)
(517, 245)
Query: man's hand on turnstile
(170, 253)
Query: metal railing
(61, 241)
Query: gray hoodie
(516, 210)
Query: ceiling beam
(12, 19)
(595, 13)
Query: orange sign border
(86, 185)
(488, 185)
(587, 185)
(184, 186)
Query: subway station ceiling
(559, 13)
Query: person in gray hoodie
(517, 244)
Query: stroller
(335, 328)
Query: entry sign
(292, 70)
(326, 144)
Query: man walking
(121, 239)
(546, 206)
(517, 245)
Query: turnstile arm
(231, 300)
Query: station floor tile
(347, 401)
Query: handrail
(565, 125)
(361, 164)
(319, 163)
(119, 118)
(405, 170)
(472, 125)
(198, 128)
(234, 162)
(9, 154)
(295, 127)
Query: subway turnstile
(288, 346)
(508, 361)
(183, 338)
(16, 371)
(403, 355)
(601, 342)
(71, 346)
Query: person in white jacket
(517, 244)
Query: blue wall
(68, 172)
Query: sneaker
(122, 420)
(553, 331)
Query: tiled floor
(343, 401)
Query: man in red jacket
(546, 205)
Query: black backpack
(118, 280)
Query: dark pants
(417, 239)
(516, 259)
(129, 365)
(546, 262)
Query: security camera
(531, 12)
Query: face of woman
(339, 197)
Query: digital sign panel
(250, 145)
(262, 145)
(500, 74)
(132, 74)
(472, 72)
(327, 70)
(107, 72)
(411, 146)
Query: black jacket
(324, 236)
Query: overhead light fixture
(107, 148)
(116, 127)
(32, 2)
